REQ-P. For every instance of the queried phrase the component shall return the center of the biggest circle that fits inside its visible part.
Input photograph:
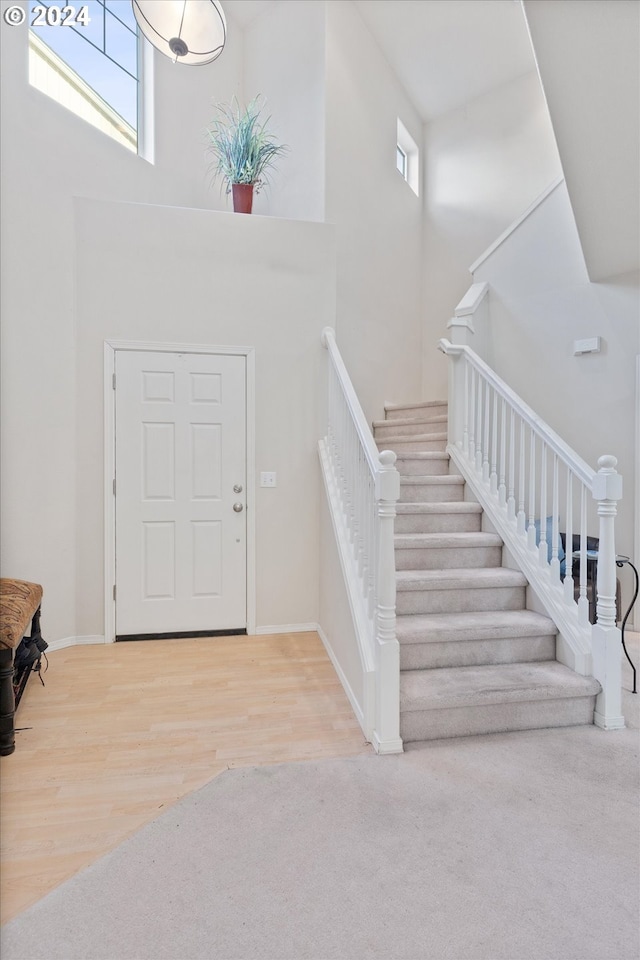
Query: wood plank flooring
(122, 731)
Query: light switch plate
(267, 478)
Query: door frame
(111, 347)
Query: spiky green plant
(243, 151)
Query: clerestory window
(87, 56)
(401, 160)
(407, 157)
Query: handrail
(328, 340)
(363, 486)
(532, 485)
(580, 468)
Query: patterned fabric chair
(19, 606)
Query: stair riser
(434, 410)
(460, 601)
(445, 558)
(415, 446)
(476, 653)
(437, 523)
(420, 725)
(431, 492)
(420, 468)
(390, 429)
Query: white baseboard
(73, 642)
(387, 746)
(287, 628)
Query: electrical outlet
(267, 478)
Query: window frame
(407, 146)
(140, 140)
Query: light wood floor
(122, 731)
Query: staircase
(473, 659)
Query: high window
(407, 157)
(401, 161)
(87, 56)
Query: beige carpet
(511, 846)
(521, 846)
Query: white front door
(180, 451)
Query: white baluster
(330, 411)
(355, 444)
(387, 648)
(542, 546)
(472, 414)
(373, 515)
(494, 446)
(502, 486)
(555, 561)
(371, 555)
(360, 468)
(479, 425)
(485, 443)
(511, 501)
(340, 460)
(568, 577)
(607, 649)
(465, 436)
(531, 529)
(522, 519)
(583, 602)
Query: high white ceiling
(245, 11)
(445, 52)
(448, 52)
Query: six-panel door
(180, 492)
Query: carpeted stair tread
(494, 684)
(412, 437)
(410, 421)
(424, 455)
(442, 488)
(481, 625)
(395, 407)
(479, 578)
(432, 480)
(446, 541)
(461, 506)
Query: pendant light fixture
(187, 31)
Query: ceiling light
(187, 31)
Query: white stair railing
(533, 485)
(367, 486)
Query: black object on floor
(28, 660)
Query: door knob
(238, 507)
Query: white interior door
(181, 544)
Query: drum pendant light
(187, 31)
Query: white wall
(284, 61)
(203, 277)
(541, 300)
(50, 156)
(378, 218)
(484, 165)
(587, 54)
(337, 623)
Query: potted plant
(243, 150)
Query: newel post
(606, 639)
(387, 728)
(458, 399)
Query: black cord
(620, 563)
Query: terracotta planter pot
(242, 197)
